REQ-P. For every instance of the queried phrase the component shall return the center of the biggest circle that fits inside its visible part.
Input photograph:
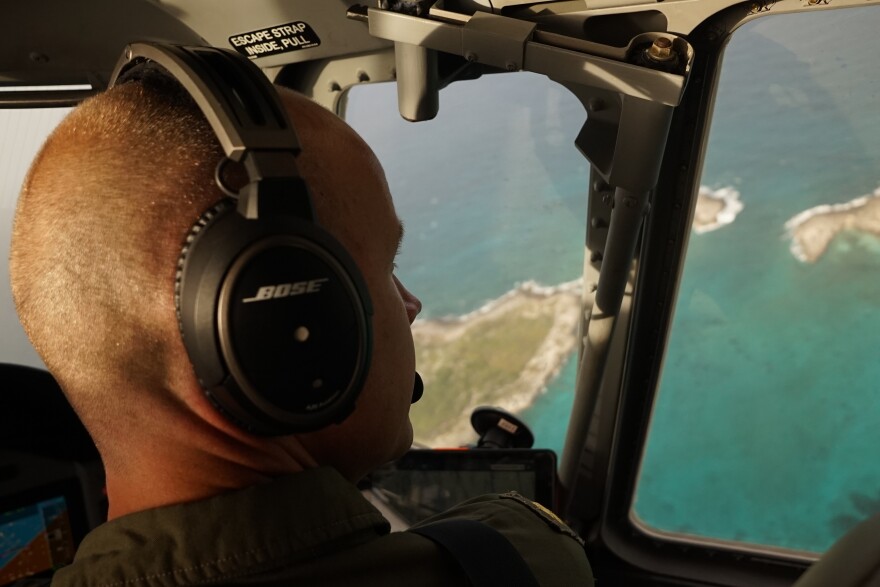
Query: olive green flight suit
(311, 528)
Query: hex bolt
(511, 66)
(470, 56)
(661, 50)
(596, 105)
(608, 199)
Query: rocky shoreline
(812, 230)
(556, 306)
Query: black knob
(500, 429)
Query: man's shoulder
(550, 549)
(553, 551)
(509, 513)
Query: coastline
(539, 350)
(716, 208)
(812, 231)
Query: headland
(812, 230)
(504, 353)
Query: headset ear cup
(276, 320)
(216, 211)
(273, 313)
(205, 219)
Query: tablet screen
(426, 482)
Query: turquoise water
(548, 416)
(491, 192)
(765, 428)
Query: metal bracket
(629, 94)
(497, 41)
(513, 44)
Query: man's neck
(179, 468)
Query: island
(504, 353)
(716, 208)
(812, 231)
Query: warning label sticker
(292, 36)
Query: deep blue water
(765, 428)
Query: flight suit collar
(218, 539)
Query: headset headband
(246, 115)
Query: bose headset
(274, 313)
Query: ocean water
(766, 428)
(491, 192)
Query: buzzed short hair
(99, 226)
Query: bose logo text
(283, 290)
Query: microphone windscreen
(418, 388)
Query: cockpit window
(765, 431)
(22, 132)
(493, 196)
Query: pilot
(193, 497)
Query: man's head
(98, 231)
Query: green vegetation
(478, 366)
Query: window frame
(626, 552)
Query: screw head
(661, 50)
